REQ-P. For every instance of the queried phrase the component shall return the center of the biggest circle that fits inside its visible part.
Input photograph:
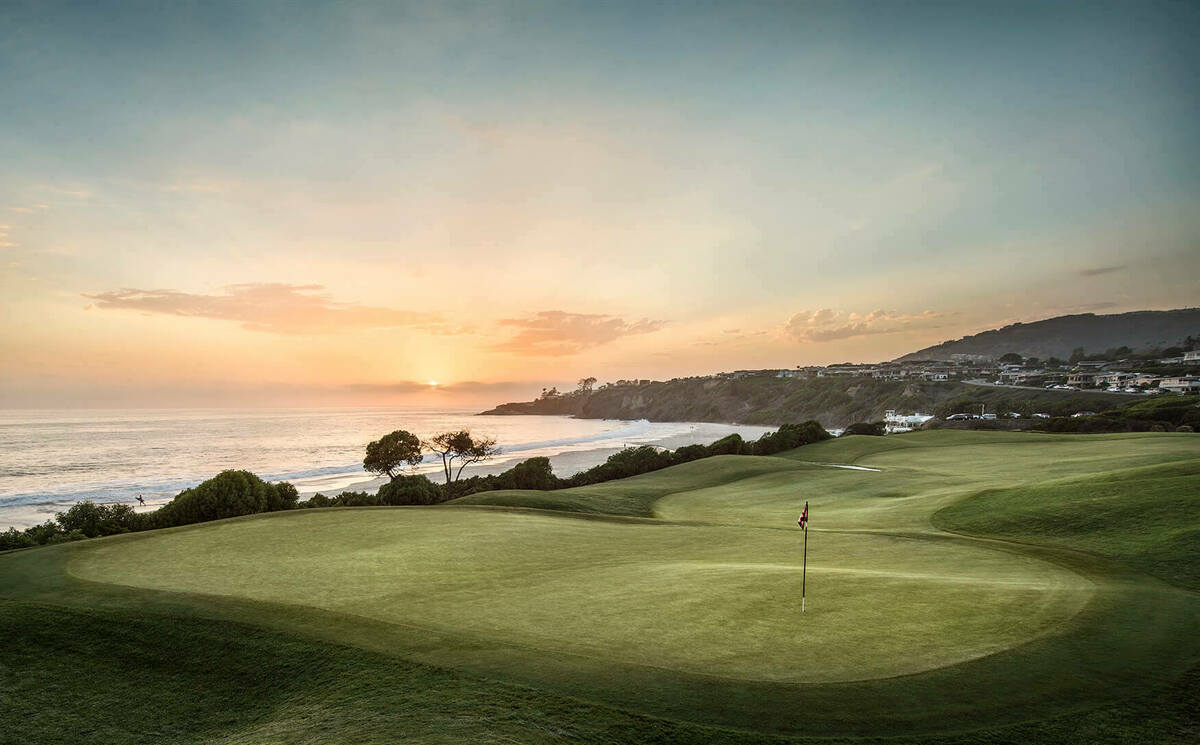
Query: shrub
(228, 494)
(875, 429)
(355, 499)
(534, 473)
(789, 437)
(94, 520)
(731, 445)
(410, 490)
(283, 497)
(13, 538)
(316, 500)
(44, 533)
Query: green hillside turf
(984, 587)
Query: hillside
(1144, 330)
(766, 399)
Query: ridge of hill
(1141, 331)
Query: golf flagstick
(804, 569)
(803, 521)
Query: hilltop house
(893, 422)
(1184, 384)
(1082, 378)
(1119, 379)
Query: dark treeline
(1160, 414)
(228, 494)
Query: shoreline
(565, 459)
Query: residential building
(1082, 378)
(1184, 384)
(893, 422)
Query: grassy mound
(1148, 517)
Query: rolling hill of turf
(977, 587)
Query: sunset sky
(334, 204)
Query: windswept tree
(585, 385)
(462, 447)
(391, 453)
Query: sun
(432, 383)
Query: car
(1041, 416)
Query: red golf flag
(803, 521)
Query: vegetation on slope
(764, 398)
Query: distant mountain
(1142, 330)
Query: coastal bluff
(770, 400)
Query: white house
(893, 422)
(1185, 384)
(1191, 356)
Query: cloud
(270, 307)
(554, 333)
(1097, 271)
(830, 325)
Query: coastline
(567, 457)
(569, 462)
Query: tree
(460, 445)
(282, 497)
(1077, 354)
(534, 473)
(392, 452)
(585, 385)
(1012, 358)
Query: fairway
(961, 585)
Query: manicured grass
(1147, 518)
(492, 623)
(693, 598)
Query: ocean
(50, 459)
